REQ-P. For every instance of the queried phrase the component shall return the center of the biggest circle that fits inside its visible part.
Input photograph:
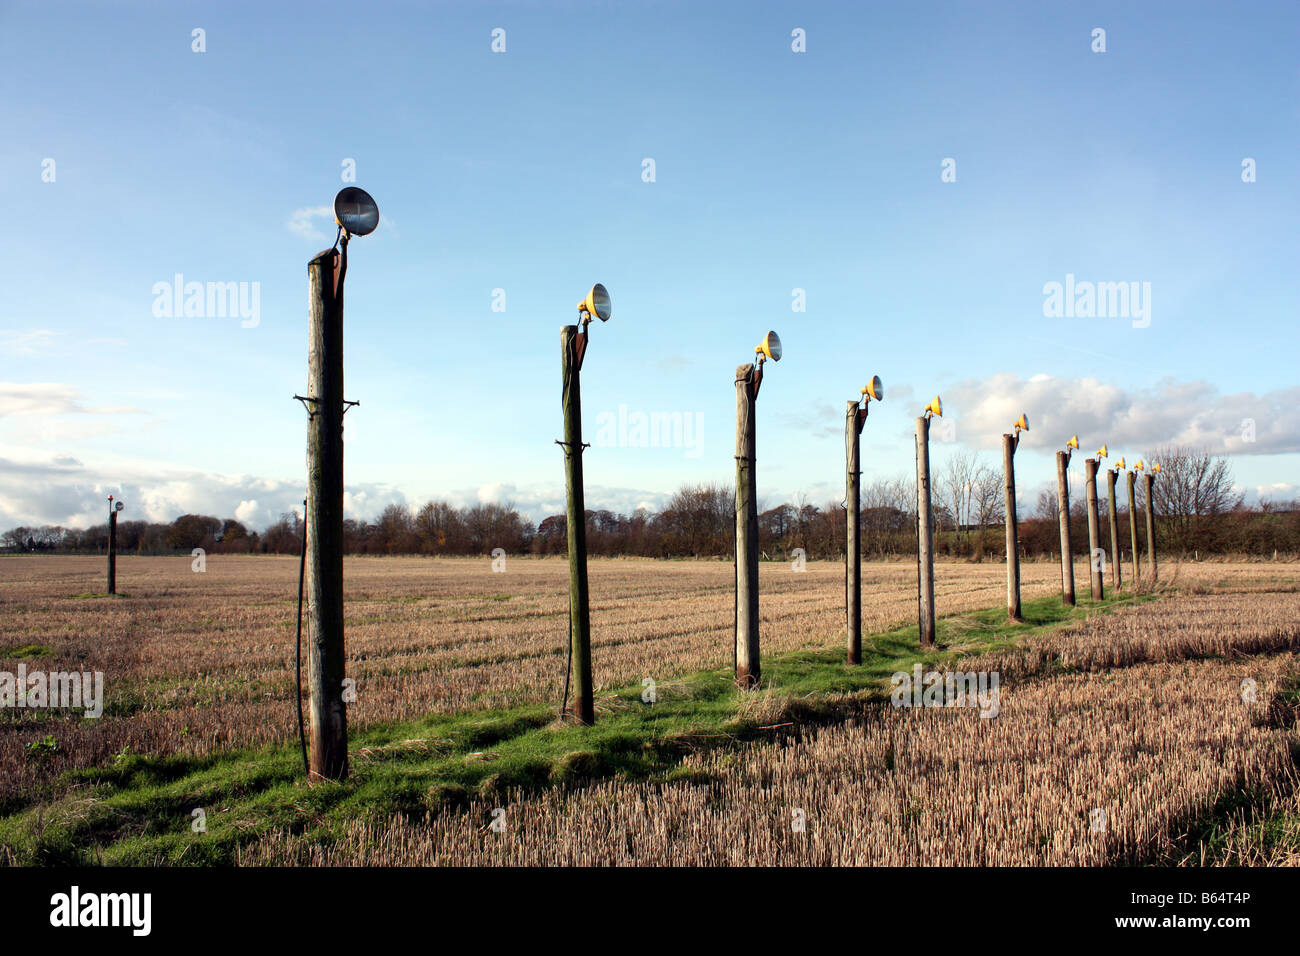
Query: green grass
(138, 809)
(26, 651)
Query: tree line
(1197, 511)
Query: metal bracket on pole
(311, 398)
(567, 447)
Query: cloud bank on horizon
(62, 489)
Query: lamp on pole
(113, 508)
(1063, 517)
(925, 527)
(573, 348)
(748, 670)
(1010, 443)
(356, 214)
(855, 417)
(1111, 475)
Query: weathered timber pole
(854, 417)
(1114, 528)
(1151, 527)
(924, 536)
(1063, 516)
(112, 549)
(1096, 585)
(748, 669)
(1133, 529)
(1009, 443)
(581, 707)
(325, 661)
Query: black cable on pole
(568, 666)
(297, 683)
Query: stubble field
(1138, 712)
(196, 661)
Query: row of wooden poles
(1097, 555)
(323, 555)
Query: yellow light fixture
(769, 348)
(935, 407)
(1101, 452)
(1073, 442)
(597, 303)
(874, 389)
(1156, 468)
(1022, 423)
(1119, 465)
(1138, 466)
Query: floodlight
(1119, 465)
(1022, 423)
(1101, 452)
(356, 211)
(1073, 442)
(118, 506)
(770, 347)
(1138, 466)
(1156, 468)
(597, 303)
(874, 389)
(935, 407)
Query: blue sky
(523, 171)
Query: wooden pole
(325, 661)
(1063, 516)
(1151, 527)
(582, 705)
(1009, 443)
(924, 536)
(112, 550)
(1096, 585)
(854, 416)
(748, 669)
(1114, 529)
(1133, 528)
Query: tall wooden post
(1063, 516)
(325, 661)
(112, 549)
(924, 536)
(854, 417)
(1114, 528)
(1096, 585)
(1009, 443)
(581, 707)
(1133, 528)
(1151, 527)
(748, 669)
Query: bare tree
(971, 491)
(1193, 485)
(989, 506)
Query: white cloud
(49, 398)
(1129, 420)
(66, 492)
(303, 221)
